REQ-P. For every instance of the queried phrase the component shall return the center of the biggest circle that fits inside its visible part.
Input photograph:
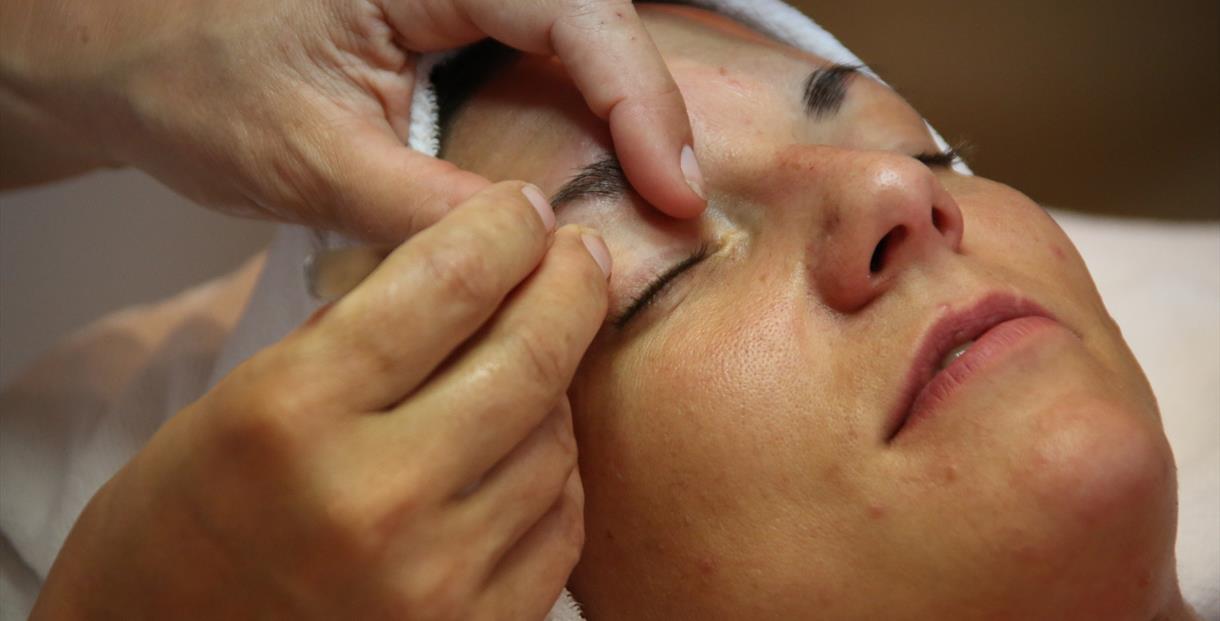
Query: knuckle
(410, 496)
(346, 530)
(577, 490)
(565, 440)
(462, 276)
(572, 529)
(508, 204)
(542, 358)
(547, 491)
(378, 357)
(441, 591)
(259, 420)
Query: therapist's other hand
(407, 454)
(297, 110)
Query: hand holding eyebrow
(297, 111)
(407, 454)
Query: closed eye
(658, 286)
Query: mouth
(959, 345)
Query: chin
(1099, 479)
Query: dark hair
(459, 78)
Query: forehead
(531, 110)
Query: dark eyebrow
(826, 88)
(601, 179)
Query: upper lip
(953, 329)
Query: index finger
(614, 63)
(619, 71)
(377, 344)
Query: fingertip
(523, 195)
(691, 171)
(658, 158)
(624, 79)
(597, 249)
(665, 185)
(540, 204)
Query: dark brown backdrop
(1100, 105)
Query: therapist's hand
(407, 454)
(297, 109)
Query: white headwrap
(281, 301)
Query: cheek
(694, 435)
(707, 392)
(1014, 239)
(1001, 223)
(1005, 229)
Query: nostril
(877, 262)
(937, 220)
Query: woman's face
(759, 433)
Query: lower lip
(986, 352)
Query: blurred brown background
(1107, 106)
(1100, 105)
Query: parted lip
(966, 324)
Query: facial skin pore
(733, 432)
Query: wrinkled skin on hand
(298, 111)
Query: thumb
(384, 192)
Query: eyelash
(649, 295)
(941, 159)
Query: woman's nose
(884, 215)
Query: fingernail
(599, 252)
(541, 205)
(690, 169)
